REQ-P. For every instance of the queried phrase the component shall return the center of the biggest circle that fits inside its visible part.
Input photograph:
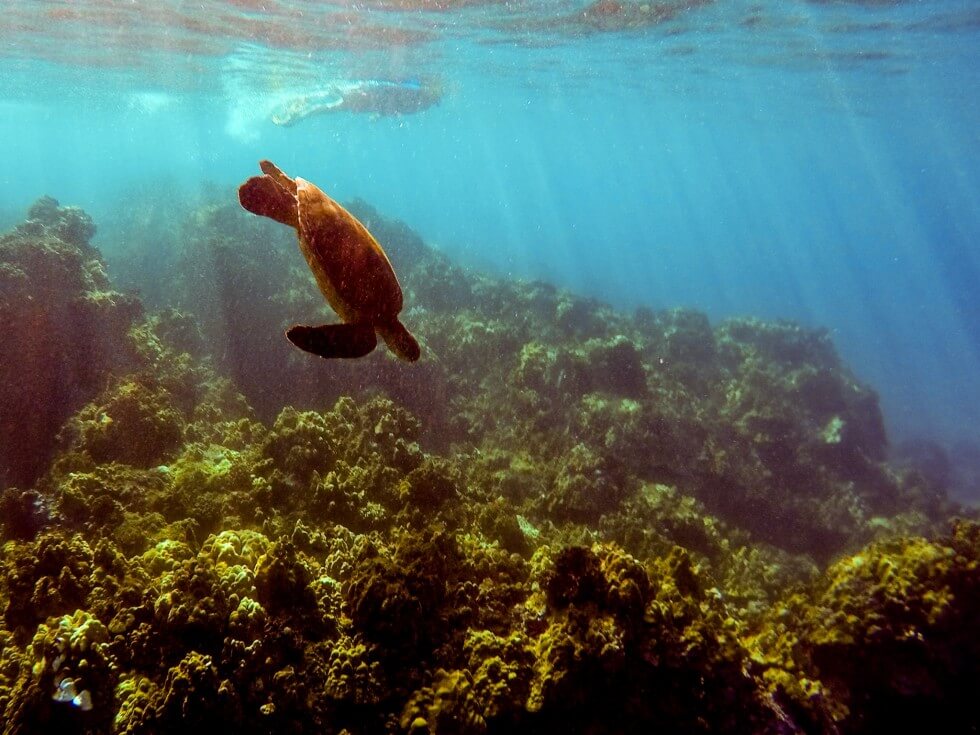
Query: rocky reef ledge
(565, 519)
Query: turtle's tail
(399, 340)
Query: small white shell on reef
(66, 691)
(83, 700)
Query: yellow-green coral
(446, 707)
(616, 524)
(134, 424)
(354, 674)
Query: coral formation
(135, 425)
(64, 332)
(882, 641)
(570, 520)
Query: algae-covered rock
(447, 707)
(625, 646)
(429, 486)
(587, 486)
(111, 498)
(282, 582)
(891, 633)
(46, 577)
(194, 698)
(355, 673)
(880, 643)
(396, 602)
(302, 443)
(135, 424)
(572, 521)
(71, 681)
(65, 332)
(502, 671)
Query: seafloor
(563, 519)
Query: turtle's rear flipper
(399, 340)
(334, 340)
(265, 196)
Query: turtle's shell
(349, 265)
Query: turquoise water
(804, 160)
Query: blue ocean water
(815, 161)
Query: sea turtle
(351, 269)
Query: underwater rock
(68, 224)
(502, 671)
(179, 330)
(47, 577)
(111, 499)
(680, 343)
(608, 524)
(889, 633)
(549, 372)
(931, 461)
(625, 630)
(575, 580)
(616, 367)
(212, 482)
(611, 583)
(879, 644)
(135, 424)
(355, 674)
(71, 680)
(608, 366)
(134, 693)
(501, 523)
(429, 486)
(397, 602)
(344, 465)
(282, 583)
(23, 513)
(447, 707)
(65, 333)
(587, 486)
(193, 698)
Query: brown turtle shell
(350, 267)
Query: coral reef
(882, 640)
(64, 332)
(568, 520)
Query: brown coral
(65, 332)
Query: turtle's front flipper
(272, 170)
(264, 195)
(334, 340)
